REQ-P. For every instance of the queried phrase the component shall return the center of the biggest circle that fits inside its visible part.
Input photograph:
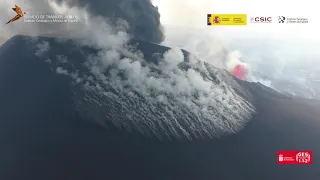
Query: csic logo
(261, 19)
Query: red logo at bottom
(294, 157)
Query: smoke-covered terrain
(107, 102)
(161, 96)
(60, 123)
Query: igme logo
(281, 19)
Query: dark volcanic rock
(44, 137)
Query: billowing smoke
(171, 99)
(235, 66)
(143, 18)
(208, 46)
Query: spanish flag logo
(227, 19)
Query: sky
(277, 51)
(193, 14)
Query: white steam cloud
(42, 48)
(169, 99)
(233, 59)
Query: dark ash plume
(142, 16)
